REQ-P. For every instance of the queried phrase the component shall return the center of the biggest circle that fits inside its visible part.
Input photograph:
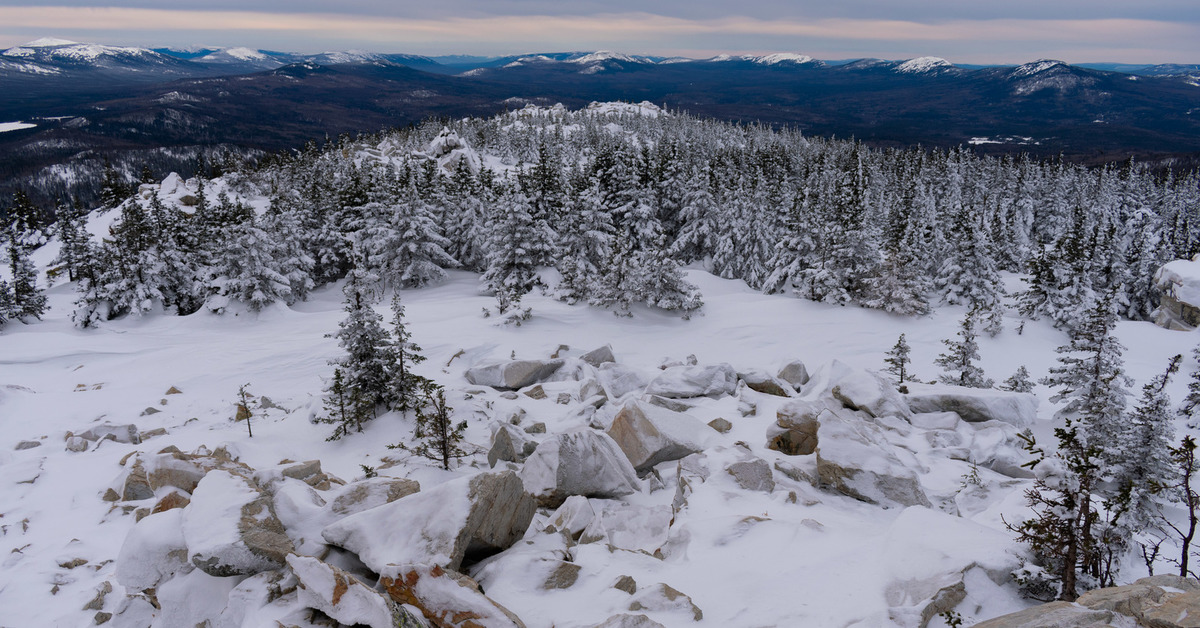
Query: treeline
(616, 204)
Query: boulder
(127, 433)
(1179, 610)
(596, 357)
(629, 620)
(619, 380)
(509, 443)
(661, 597)
(1178, 282)
(153, 551)
(1131, 600)
(1053, 615)
(586, 463)
(77, 444)
(974, 405)
(630, 527)
(464, 518)
(175, 469)
(513, 374)
(340, 595)
(230, 528)
(27, 444)
(761, 381)
(684, 382)
(794, 373)
(795, 430)
(134, 485)
(649, 435)
(446, 598)
(572, 517)
(752, 475)
(372, 492)
(855, 459)
(720, 425)
(856, 389)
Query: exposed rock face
(509, 444)
(340, 595)
(854, 459)
(1179, 284)
(372, 492)
(1164, 601)
(974, 405)
(752, 475)
(649, 435)
(629, 620)
(682, 382)
(762, 382)
(475, 516)
(794, 373)
(586, 463)
(514, 374)
(795, 429)
(230, 528)
(596, 357)
(446, 598)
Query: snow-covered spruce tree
(370, 359)
(76, 254)
(585, 241)
(958, 362)
(902, 285)
(407, 386)
(898, 360)
(1145, 468)
(404, 243)
(515, 244)
(968, 274)
(1179, 491)
(1018, 382)
(1191, 404)
(25, 299)
(1069, 535)
(246, 269)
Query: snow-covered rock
(599, 356)
(509, 443)
(447, 598)
(752, 475)
(481, 514)
(856, 389)
(153, 551)
(630, 527)
(1179, 283)
(974, 405)
(340, 595)
(794, 373)
(513, 374)
(662, 597)
(372, 492)
(761, 381)
(683, 382)
(451, 152)
(629, 620)
(572, 517)
(127, 433)
(230, 528)
(649, 434)
(854, 458)
(586, 463)
(619, 380)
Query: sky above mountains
(963, 31)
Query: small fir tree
(370, 357)
(1018, 381)
(958, 362)
(898, 361)
(1146, 468)
(406, 385)
(438, 437)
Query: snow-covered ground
(795, 556)
(15, 126)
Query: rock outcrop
(585, 463)
(683, 382)
(649, 434)
(1156, 602)
(513, 374)
(974, 405)
(230, 529)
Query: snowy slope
(738, 554)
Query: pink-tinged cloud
(1016, 39)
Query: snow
(784, 57)
(923, 65)
(15, 126)
(644, 108)
(49, 42)
(735, 553)
(246, 54)
(1036, 67)
(604, 55)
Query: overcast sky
(963, 31)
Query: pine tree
(438, 437)
(1018, 381)
(1144, 466)
(515, 245)
(958, 362)
(370, 358)
(343, 408)
(25, 298)
(898, 361)
(1191, 404)
(968, 274)
(406, 385)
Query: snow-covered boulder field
(644, 471)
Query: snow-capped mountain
(924, 65)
